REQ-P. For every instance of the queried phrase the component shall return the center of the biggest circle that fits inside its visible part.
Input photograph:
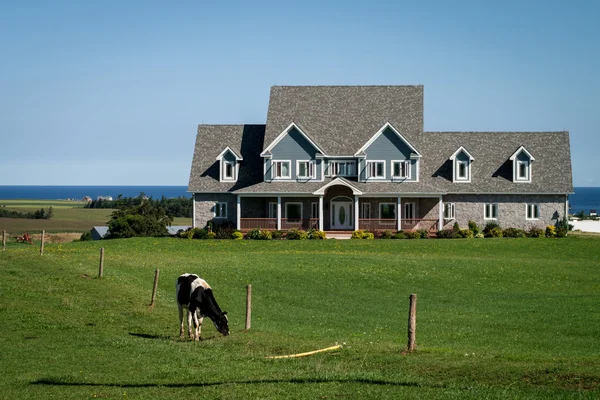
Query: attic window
(228, 170)
(522, 161)
(461, 165)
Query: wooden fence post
(101, 269)
(3, 240)
(248, 306)
(412, 322)
(42, 245)
(155, 287)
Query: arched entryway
(341, 215)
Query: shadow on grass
(167, 337)
(56, 382)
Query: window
(409, 211)
(342, 168)
(293, 211)
(281, 169)
(365, 210)
(533, 211)
(375, 169)
(228, 170)
(305, 169)
(449, 211)
(491, 211)
(272, 210)
(387, 211)
(314, 210)
(463, 170)
(401, 169)
(522, 170)
(220, 210)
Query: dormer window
(305, 169)
(522, 161)
(461, 165)
(229, 165)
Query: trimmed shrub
(368, 235)
(276, 234)
(265, 235)
(514, 233)
(254, 234)
(466, 233)
(535, 232)
(455, 227)
(224, 230)
(211, 235)
(561, 232)
(296, 234)
(412, 235)
(387, 234)
(474, 228)
(400, 235)
(316, 234)
(423, 233)
(358, 234)
(496, 232)
(445, 233)
(198, 233)
(487, 231)
(550, 231)
(237, 235)
(479, 236)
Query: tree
(143, 219)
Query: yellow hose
(338, 346)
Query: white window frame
(449, 211)
(310, 169)
(293, 203)
(371, 164)
(518, 175)
(365, 207)
(274, 169)
(220, 206)
(488, 209)
(272, 211)
(393, 205)
(314, 209)
(533, 207)
(333, 168)
(224, 165)
(403, 164)
(467, 176)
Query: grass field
(497, 318)
(69, 216)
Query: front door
(341, 215)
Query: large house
(356, 157)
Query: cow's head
(222, 324)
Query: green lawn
(496, 318)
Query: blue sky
(112, 92)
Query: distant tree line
(174, 207)
(38, 214)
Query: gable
(295, 132)
(388, 144)
(293, 146)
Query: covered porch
(339, 207)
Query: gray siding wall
(512, 211)
(204, 208)
(293, 147)
(387, 147)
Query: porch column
(356, 227)
(238, 212)
(441, 215)
(278, 213)
(399, 213)
(321, 215)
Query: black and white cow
(196, 296)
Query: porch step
(339, 235)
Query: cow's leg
(190, 322)
(200, 328)
(197, 326)
(181, 336)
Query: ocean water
(585, 198)
(78, 192)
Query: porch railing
(286, 223)
(375, 224)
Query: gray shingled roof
(211, 140)
(355, 113)
(341, 119)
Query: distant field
(496, 319)
(69, 216)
